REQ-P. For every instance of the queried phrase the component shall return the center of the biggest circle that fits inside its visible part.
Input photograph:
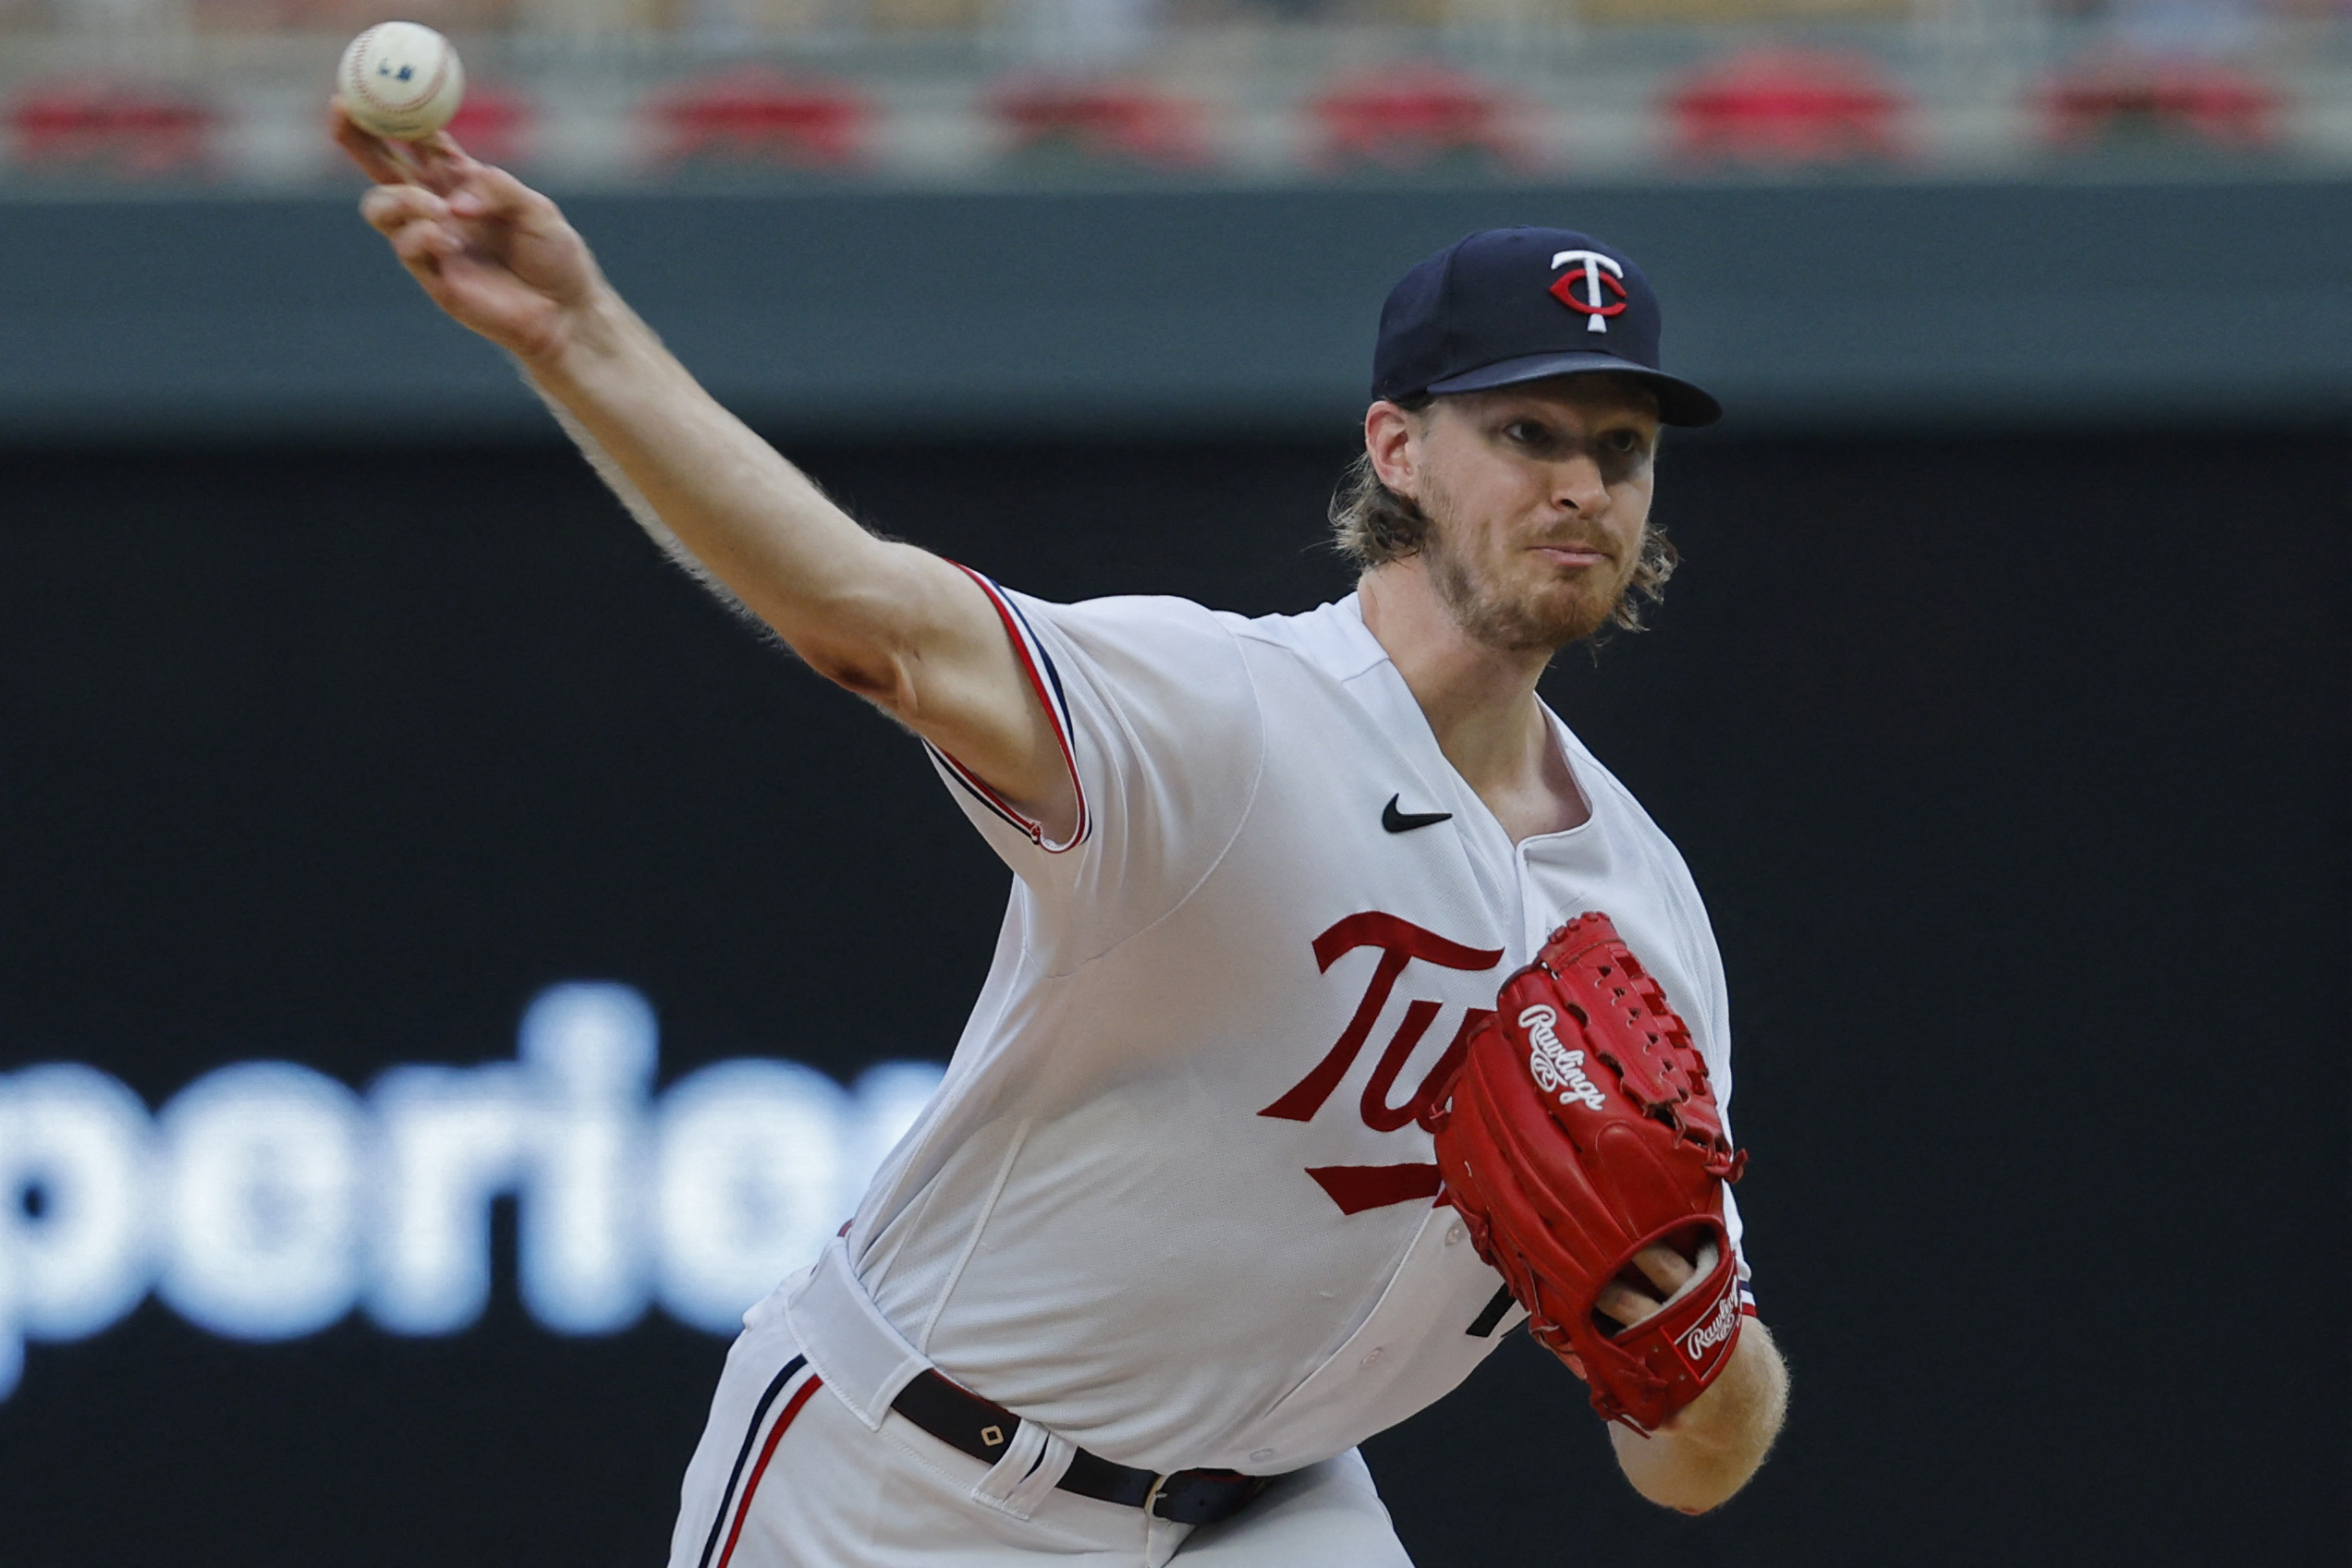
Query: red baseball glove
(1579, 1129)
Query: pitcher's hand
(489, 250)
(1666, 1271)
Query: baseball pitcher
(1347, 1013)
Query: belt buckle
(1201, 1496)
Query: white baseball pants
(789, 1476)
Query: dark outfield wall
(2014, 769)
(1807, 306)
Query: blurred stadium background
(447, 965)
(979, 92)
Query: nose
(1579, 486)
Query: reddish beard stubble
(1486, 609)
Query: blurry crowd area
(619, 93)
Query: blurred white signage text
(266, 1200)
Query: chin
(1524, 616)
(1549, 622)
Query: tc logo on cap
(1597, 273)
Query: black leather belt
(960, 1418)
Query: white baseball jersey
(1171, 1201)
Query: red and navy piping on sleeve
(1047, 681)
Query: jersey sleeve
(1159, 723)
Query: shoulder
(1136, 620)
(1330, 644)
(1156, 651)
(1140, 672)
(1331, 634)
(1331, 638)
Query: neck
(1479, 700)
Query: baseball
(400, 79)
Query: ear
(1393, 442)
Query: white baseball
(400, 79)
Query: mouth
(1573, 556)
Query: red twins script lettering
(1358, 1187)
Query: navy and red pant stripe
(734, 1507)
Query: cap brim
(1679, 403)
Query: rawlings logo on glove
(1553, 1065)
(1579, 1129)
(1720, 1329)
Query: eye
(1526, 432)
(1623, 442)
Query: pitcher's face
(1537, 497)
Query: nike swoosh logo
(1397, 821)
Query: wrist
(599, 333)
(1746, 1404)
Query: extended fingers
(442, 164)
(372, 152)
(1623, 1303)
(424, 246)
(1666, 1271)
(1664, 1268)
(391, 207)
(416, 220)
(491, 192)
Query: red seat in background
(131, 130)
(755, 115)
(1413, 116)
(2203, 101)
(494, 124)
(1787, 106)
(1114, 121)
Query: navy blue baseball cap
(1511, 305)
